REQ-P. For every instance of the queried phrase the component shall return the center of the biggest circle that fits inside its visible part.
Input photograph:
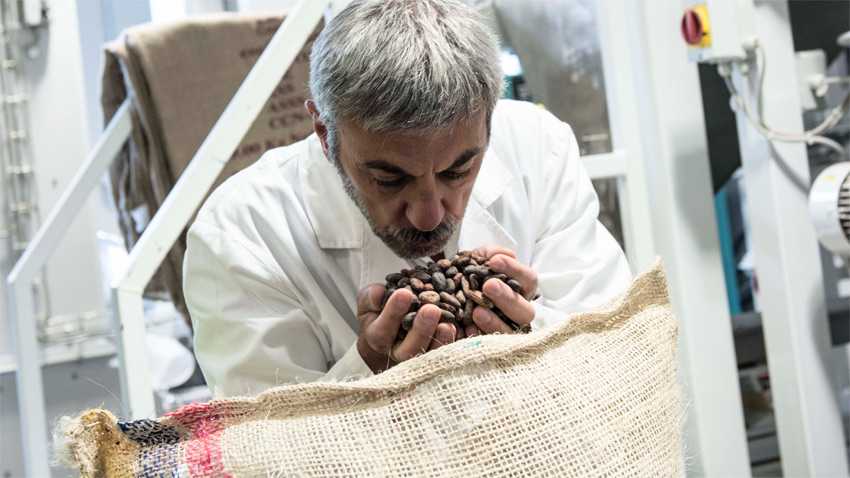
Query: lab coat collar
(339, 224)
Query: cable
(810, 137)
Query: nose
(426, 212)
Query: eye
(455, 175)
(391, 183)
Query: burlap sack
(180, 77)
(597, 396)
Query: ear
(318, 126)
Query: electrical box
(718, 30)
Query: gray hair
(393, 65)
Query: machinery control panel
(717, 30)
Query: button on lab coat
(278, 253)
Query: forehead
(415, 151)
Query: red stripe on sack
(202, 451)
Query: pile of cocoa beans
(455, 286)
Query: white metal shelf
(64, 353)
(606, 165)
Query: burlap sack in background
(180, 76)
(597, 396)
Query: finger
(489, 323)
(418, 339)
(490, 251)
(511, 303)
(472, 330)
(523, 274)
(443, 335)
(382, 332)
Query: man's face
(413, 187)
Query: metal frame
(628, 163)
(30, 388)
(154, 243)
(786, 252)
(190, 190)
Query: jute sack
(597, 396)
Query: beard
(406, 243)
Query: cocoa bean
(449, 299)
(447, 306)
(467, 310)
(451, 287)
(439, 281)
(479, 299)
(446, 316)
(461, 261)
(515, 286)
(464, 286)
(418, 285)
(407, 321)
(454, 286)
(429, 297)
(387, 295)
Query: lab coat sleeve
(250, 331)
(580, 265)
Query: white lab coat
(278, 253)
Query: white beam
(788, 265)
(625, 137)
(672, 127)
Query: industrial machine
(771, 87)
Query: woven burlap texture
(597, 396)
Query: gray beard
(406, 243)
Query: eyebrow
(388, 167)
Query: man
(411, 157)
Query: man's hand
(379, 328)
(514, 305)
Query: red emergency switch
(692, 28)
(695, 26)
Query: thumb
(369, 299)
